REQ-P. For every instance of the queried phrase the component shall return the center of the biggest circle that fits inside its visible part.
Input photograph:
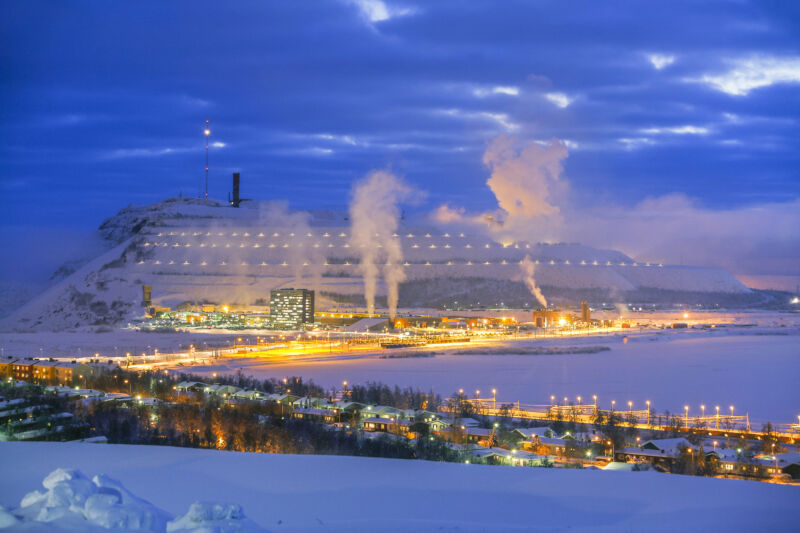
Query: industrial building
(291, 308)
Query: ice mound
(207, 517)
(101, 501)
(73, 501)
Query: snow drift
(72, 501)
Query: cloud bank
(532, 205)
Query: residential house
(387, 425)
(547, 446)
(507, 457)
(673, 447)
(644, 456)
(781, 463)
(531, 433)
(317, 415)
(191, 386)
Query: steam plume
(304, 259)
(374, 218)
(528, 268)
(526, 181)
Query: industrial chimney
(235, 200)
(147, 295)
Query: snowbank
(72, 501)
(216, 517)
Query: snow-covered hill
(328, 493)
(191, 250)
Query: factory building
(291, 308)
(546, 318)
(586, 314)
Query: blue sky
(103, 103)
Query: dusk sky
(687, 104)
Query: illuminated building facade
(291, 308)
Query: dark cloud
(103, 103)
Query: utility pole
(207, 132)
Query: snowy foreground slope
(324, 493)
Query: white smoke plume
(526, 181)
(528, 268)
(522, 180)
(758, 243)
(374, 219)
(306, 261)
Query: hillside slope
(191, 250)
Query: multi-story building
(291, 308)
(22, 369)
(7, 366)
(44, 371)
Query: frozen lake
(756, 373)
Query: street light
(716, 422)
(630, 407)
(686, 424)
(613, 403)
(648, 412)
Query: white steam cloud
(306, 261)
(374, 219)
(760, 240)
(526, 181)
(528, 268)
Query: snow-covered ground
(324, 493)
(756, 373)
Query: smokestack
(235, 200)
(147, 296)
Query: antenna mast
(208, 134)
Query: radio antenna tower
(208, 135)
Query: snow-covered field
(756, 373)
(324, 493)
